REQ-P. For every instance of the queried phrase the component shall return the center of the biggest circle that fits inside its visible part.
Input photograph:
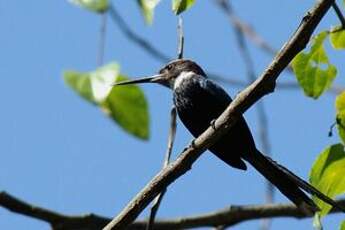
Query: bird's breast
(197, 105)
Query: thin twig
(136, 38)
(247, 30)
(339, 14)
(262, 86)
(226, 217)
(102, 38)
(335, 89)
(153, 51)
(180, 38)
(157, 201)
(262, 117)
(263, 131)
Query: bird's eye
(169, 67)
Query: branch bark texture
(226, 217)
(262, 86)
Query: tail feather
(306, 186)
(288, 183)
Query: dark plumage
(199, 101)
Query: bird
(199, 101)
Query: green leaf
(178, 6)
(147, 8)
(80, 83)
(98, 6)
(126, 105)
(340, 109)
(342, 226)
(317, 225)
(93, 86)
(313, 70)
(327, 174)
(337, 38)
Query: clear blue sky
(59, 152)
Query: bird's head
(169, 73)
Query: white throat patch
(183, 76)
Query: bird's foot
(213, 124)
(191, 145)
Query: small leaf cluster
(125, 105)
(315, 75)
(147, 6)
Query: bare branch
(180, 38)
(339, 14)
(225, 217)
(56, 220)
(246, 29)
(157, 201)
(262, 86)
(335, 89)
(102, 38)
(172, 134)
(136, 38)
(262, 117)
(154, 52)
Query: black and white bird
(199, 101)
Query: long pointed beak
(159, 78)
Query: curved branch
(339, 14)
(136, 38)
(226, 217)
(334, 89)
(56, 220)
(262, 86)
(154, 52)
(245, 28)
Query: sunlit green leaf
(179, 6)
(313, 70)
(327, 174)
(337, 38)
(93, 86)
(340, 108)
(342, 226)
(126, 105)
(317, 225)
(80, 83)
(98, 6)
(147, 8)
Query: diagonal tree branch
(226, 217)
(156, 53)
(134, 37)
(171, 138)
(262, 116)
(245, 28)
(56, 220)
(335, 89)
(339, 14)
(262, 86)
(173, 114)
(180, 47)
(102, 39)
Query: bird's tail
(288, 183)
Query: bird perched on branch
(199, 101)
